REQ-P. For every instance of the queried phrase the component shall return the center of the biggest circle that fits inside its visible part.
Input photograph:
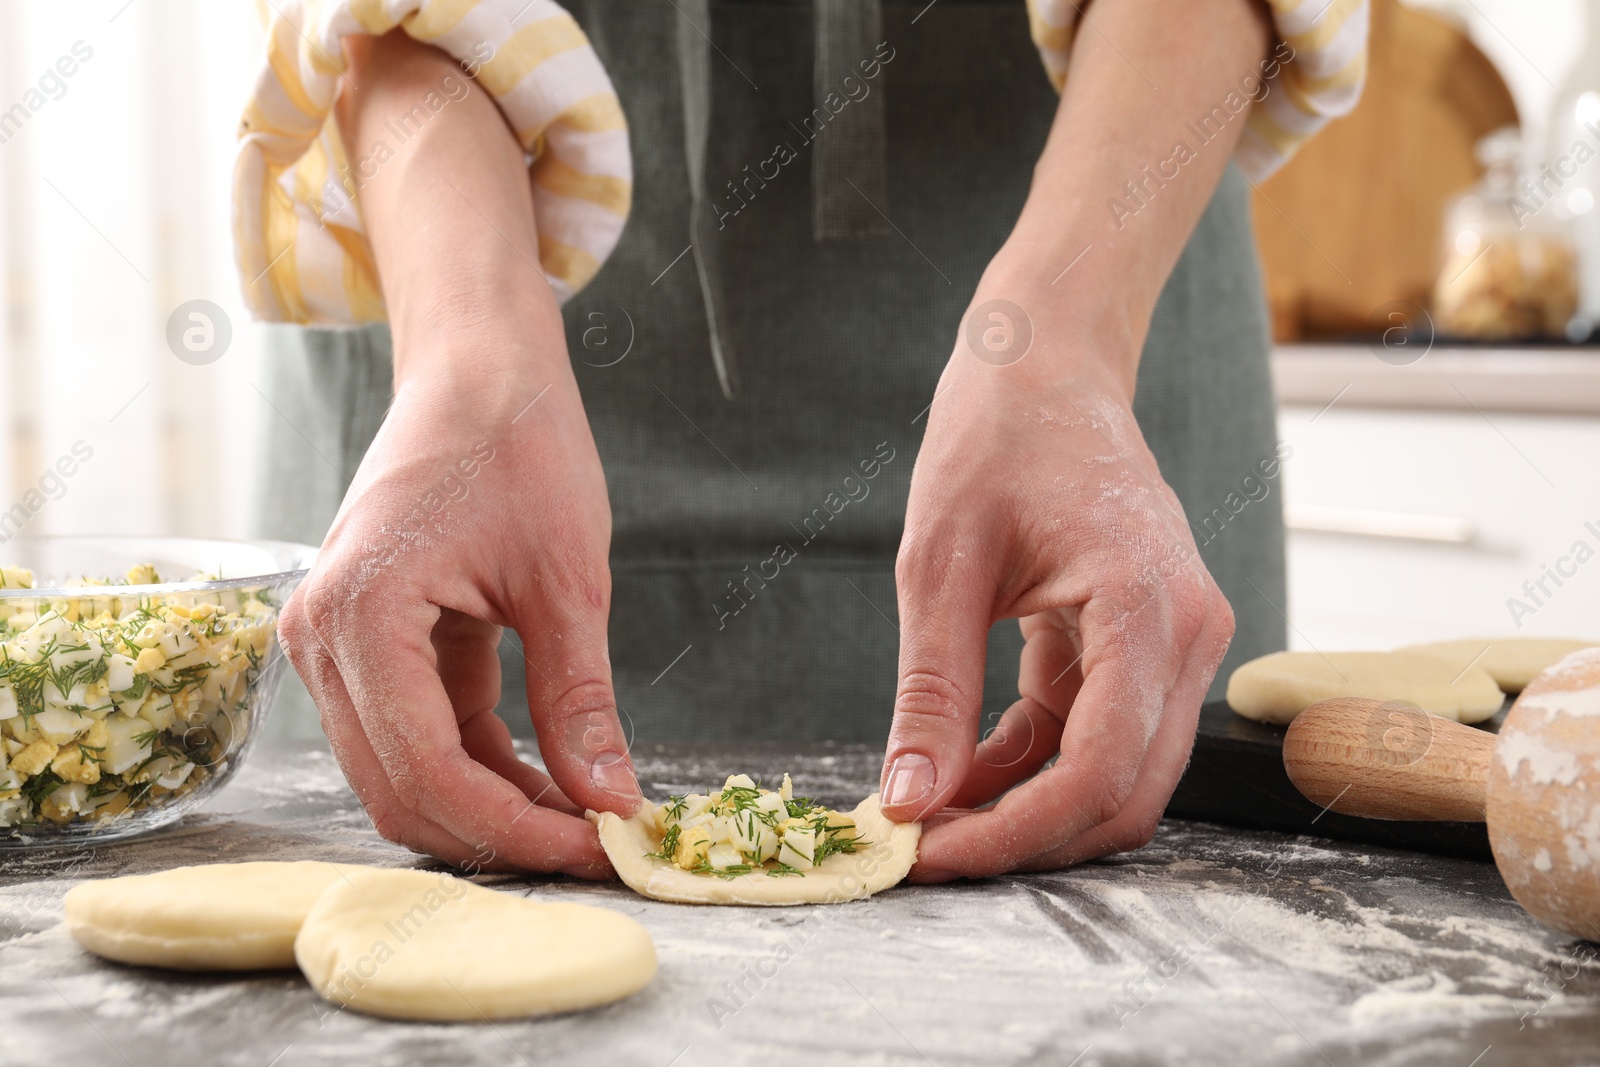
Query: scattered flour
(1545, 764)
(1581, 820)
(1423, 997)
(1575, 667)
(1215, 945)
(1581, 703)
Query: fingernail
(910, 779)
(612, 773)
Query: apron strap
(849, 175)
(694, 69)
(849, 148)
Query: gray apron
(758, 355)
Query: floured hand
(1035, 498)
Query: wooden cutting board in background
(1368, 192)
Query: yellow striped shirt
(301, 248)
(1313, 74)
(303, 254)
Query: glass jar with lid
(1509, 270)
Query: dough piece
(1513, 662)
(1278, 687)
(216, 917)
(420, 945)
(883, 862)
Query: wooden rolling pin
(1537, 784)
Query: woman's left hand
(1034, 497)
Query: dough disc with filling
(1513, 662)
(842, 876)
(1278, 687)
(420, 945)
(216, 917)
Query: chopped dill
(732, 870)
(800, 807)
(756, 823)
(669, 846)
(39, 787)
(833, 844)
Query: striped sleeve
(1313, 75)
(301, 249)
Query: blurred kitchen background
(1440, 393)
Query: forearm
(449, 213)
(1141, 73)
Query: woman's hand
(481, 504)
(1034, 497)
(471, 511)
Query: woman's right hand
(481, 504)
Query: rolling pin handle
(1388, 760)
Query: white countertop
(1554, 380)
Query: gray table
(1209, 946)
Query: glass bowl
(127, 698)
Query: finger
(1026, 738)
(1164, 764)
(360, 764)
(947, 815)
(573, 706)
(1136, 823)
(946, 600)
(469, 668)
(467, 651)
(487, 739)
(1107, 734)
(408, 720)
(1029, 733)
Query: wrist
(1074, 325)
(482, 368)
(482, 332)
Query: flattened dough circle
(1512, 662)
(419, 945)
(842, 876)
(1278, 687)
(215, 917)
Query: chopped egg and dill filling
(744, 829)
(111, 703)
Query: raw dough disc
(1513, 662)
(216, 917)
(891, 851)
(418, 945)
(1278, 687)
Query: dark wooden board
(1236, 778)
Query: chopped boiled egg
(744, 829)
(34, 758)
(173, 666)
(128, 742)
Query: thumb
(943, 640)
(574, 707)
